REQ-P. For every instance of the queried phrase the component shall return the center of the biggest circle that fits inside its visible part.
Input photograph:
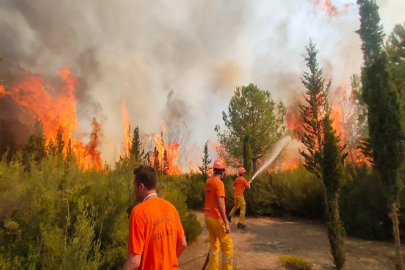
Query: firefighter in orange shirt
(156, 236)
(215, 219)
(239, 188)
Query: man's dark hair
(218, 171)
(145, 175)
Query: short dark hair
(218, 171)
(145, 175)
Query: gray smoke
(138, 51)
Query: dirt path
(259, 246)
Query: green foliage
(136, 146)
(297, 193)
(385, 115)
(370, 32)
(58, 216)
(294, 262)
(333, 176)
(363, 206)
(206, 161)
(253, 113)
(36, 143)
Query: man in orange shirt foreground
(215, 219)
(156, 237)
(239, 188)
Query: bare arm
(221, 208)
(180, 246)
(132, 262)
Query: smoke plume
(179, 61)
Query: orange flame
(192, 168)
(126, 132)
(330, 8)
(56, 110)
(166, 154)
(88, 156)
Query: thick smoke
(139, 51)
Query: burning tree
(385, 117)
(254, 122)
(322, 155)
(60, 143)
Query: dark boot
(229, 219)
(241, 226)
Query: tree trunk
(325, 196)
(254, 165)
(395, 224)
(336, 232)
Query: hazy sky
(139, 51)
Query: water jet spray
(275, 151)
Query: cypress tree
(206, 161)
(333, 176)
(384, 112)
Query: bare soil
(265, 239)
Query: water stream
(275, 151)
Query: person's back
(213, 187)
(156, 237)
(161, 230)
(215, 219)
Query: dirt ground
(260, 244)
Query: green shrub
(295, 263)
(59, 216)
(363, 205)
(295, 192)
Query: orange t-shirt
(240, 184)
(213, 188)
(154, 228)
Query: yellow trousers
(239, 202)
(217, 235)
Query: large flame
(344, 116)
(55, 108)
(126, 147)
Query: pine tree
(147, 158)
(165, 162)
(206, 161)
(385, 119)
(136, 146)
(36, 145)
(161, 155)
(156, 163)
(60, 143)
(51, 148)
(333, 175)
